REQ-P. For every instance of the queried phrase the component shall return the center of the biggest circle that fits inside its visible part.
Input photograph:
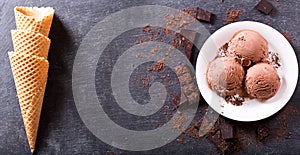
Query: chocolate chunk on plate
(264, 6)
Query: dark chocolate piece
(188, 49)
(264, 6)
(226, 130)
(203, 15)
(188, 39)
(190, 35)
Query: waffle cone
(34, 19)
(30, 43)
(30, 75)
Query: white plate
(251, 110)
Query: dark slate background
(61, 130)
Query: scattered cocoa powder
(157, 67)
(145, 81)
(287, 116)
(179, 121)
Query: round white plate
(251, 110)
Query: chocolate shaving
(273, 59)
(235, 100)
(223, 50)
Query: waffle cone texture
(29, 63)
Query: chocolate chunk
(203, 15)
(262, 132)
(188, 50)
(188, 39)
(226, 130)
(220, 143)
(264, 6)
(189, 34)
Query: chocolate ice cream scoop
(225, 76)
(248, 46)
(262, 81)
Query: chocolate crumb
(232, 16)
(180, 140)
(157, 67)
(145, 81)
(273, 59)
(223, 50)
(192, 131)
(287, 36)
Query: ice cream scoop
(262, 81)
(248, 46)
(225, 76)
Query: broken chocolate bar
(226, 130)
(264, 6)
(189, 34)
(188, 39)
(203, 15)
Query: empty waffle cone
(30, 74)
(34, 19)
(31, 43)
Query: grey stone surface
(61, 130)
